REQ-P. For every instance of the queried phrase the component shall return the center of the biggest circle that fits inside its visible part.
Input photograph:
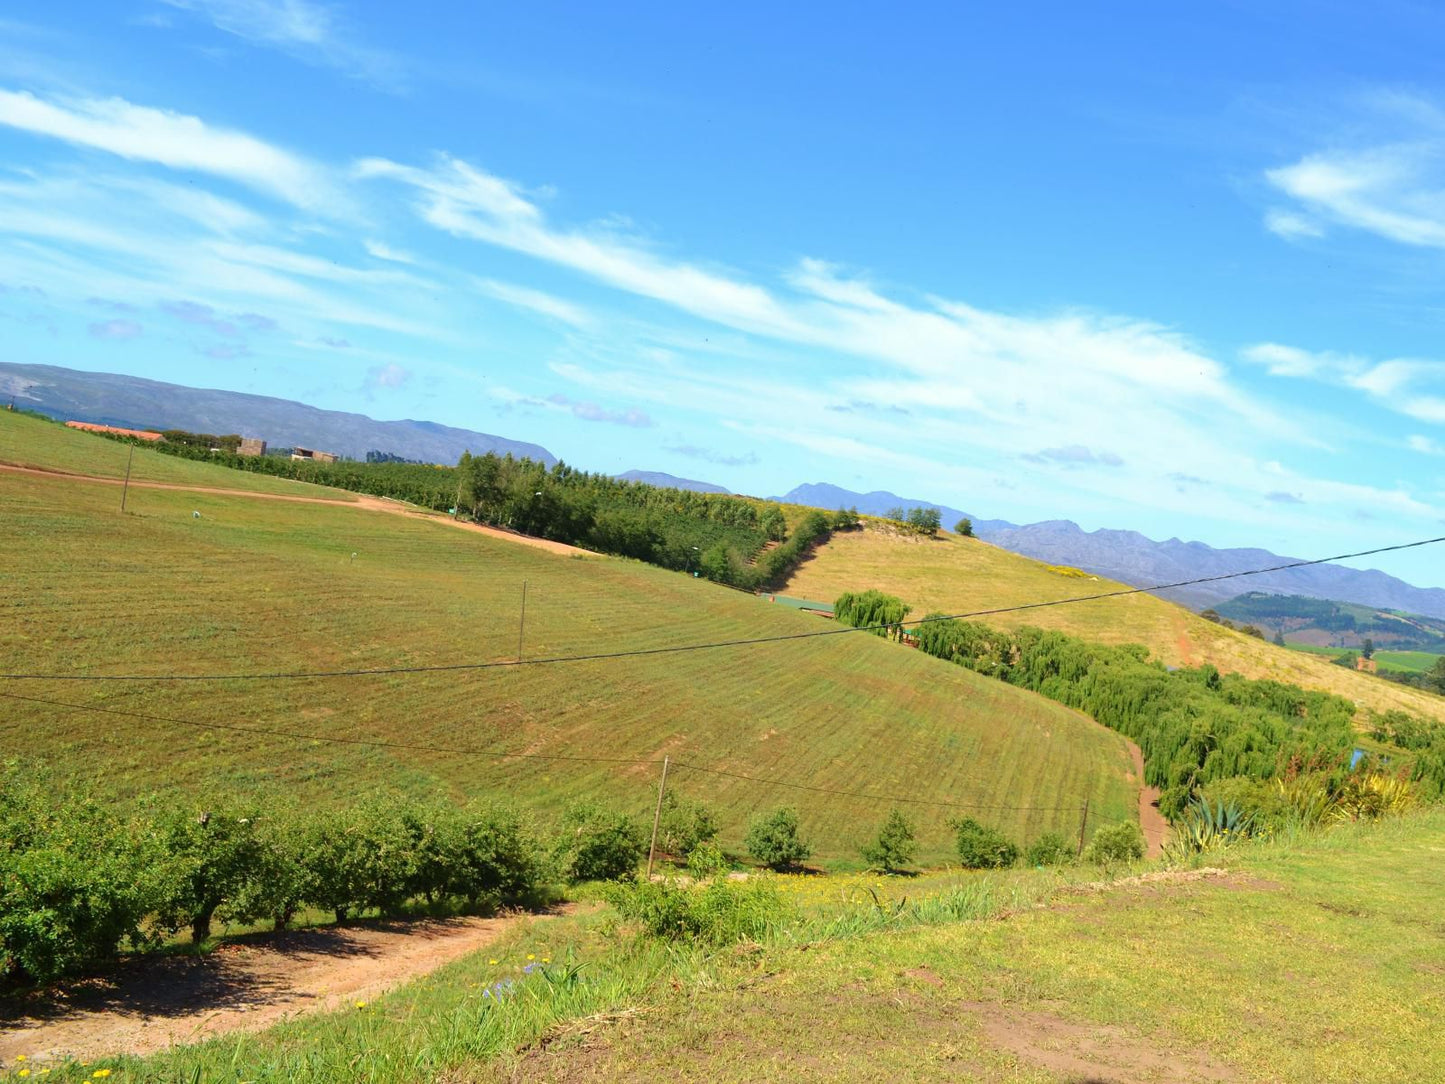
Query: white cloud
(383, 251)
(171, 139)
(308, 31)
(1411, 386)
(1425, 445)
(1291, 226)
(536, 301)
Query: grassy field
(31, 442)
(254, 585)
(957, 575)
(1306, 961)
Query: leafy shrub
(280, 883)
(774, 840)
(981, 847)
(1050, 849)
(684, 825)
(894, 847)
(1122, 842)
(1372, 796)
(75, 882)
(706, 860)
(497, 860)
(596, 844)
(717, 912)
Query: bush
(1050, 849)
(596, 844)
(981, 847)
(1116, 843)
(894, 848)
(75, 882)
(774, 840)
(706, 860)
(497, 860)
(684, 826)
(212, 855)
(715, 913)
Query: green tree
(964, 527)
(894, 847)
(774, 840)
(982, 847)
(1279, 637)
(1436, 676)
(1367, 649)
(1122, 842)
(598, 844)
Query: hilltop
(1135, 559)
(954, 575)
(323, 580)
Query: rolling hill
(112, 399)
(958, 575)
(256, 584)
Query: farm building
(251, 446)
(115, 430)
(312, 455)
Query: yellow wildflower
(361, 1004)
(100, 1074)
(23, 1072)
(492, 962)
(530, 956)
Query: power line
(495, 754)
(866, 794)
(293, 735)
(676, 649)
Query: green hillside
(1328, 623)
(261, 585)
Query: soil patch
(153, 1002)
(1155, 827)
(1093, 1052)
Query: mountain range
(1133, 558)
(111, 399)
(1127, 556)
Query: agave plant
(1207, 826)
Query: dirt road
(350, 500)
(1156, 828)
(153, 1002)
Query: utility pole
(1083, 823)
(522, 624)
(656, 818)
(126, 487)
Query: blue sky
(1178, 271)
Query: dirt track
(154, 1002)
(1156, 828)
(351, 500)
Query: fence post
(1083, 823)
(522, 623)
(656, 818)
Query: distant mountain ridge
(1133, 558)
(112, 399)
(670, 481)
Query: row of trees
(79, 882)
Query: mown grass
(957, 575)
(262, 586)
(28, 441)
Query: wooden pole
(126, 487)
(1083, 823)
(656, 818)
(522, 624)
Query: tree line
(1193, 724)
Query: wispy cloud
(1425, 445)
(707, 455)
(537, 301)
(589, 411)
(1074, 455)
(383, 251)
(1414, 387)
(116, 329)
(193, 312)
(1279, 496)
(1392, 185)
(311, 32)
(171, 139)
(387, 376)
